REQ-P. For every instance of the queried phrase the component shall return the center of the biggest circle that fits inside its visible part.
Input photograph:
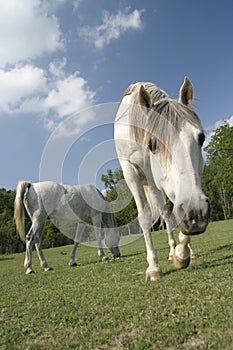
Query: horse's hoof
(29, 271)
(48, 269)
(170, 257)
(181, 257)
(153, 275)
(73, 264)
(181, 264)
(105, 258)
(193, 256)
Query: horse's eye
(152, 145)
(201, 139)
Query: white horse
(71, 208)
(158, 142)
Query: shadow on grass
(222, 261)
(217, 249)
(132, 254)
(221, 247)
(4, 259)
(169, 272)
(225, 260)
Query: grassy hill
(108, 305)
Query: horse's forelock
(165, 120)
(162, 121)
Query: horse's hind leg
(77, 239)
(28, 255)
(38, 245)
(159, 208)
(170, 234)
(172, 244)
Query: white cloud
(56, 68)
(220, 122)
(30, 89)
(19, 84)
(52, 4)
(69, 95)
(72, 127)
(27, 31)
(113, 27)
(76, 4)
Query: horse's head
(112, 239)
(175, 141)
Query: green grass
(108, 305)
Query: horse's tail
(19, 208)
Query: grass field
(108, 305)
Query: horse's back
(85, 198)
(56, 200)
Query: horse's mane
(162, 121)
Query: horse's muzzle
(192, 229)
(115, 252)
(195, 221)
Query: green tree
(217, 178)
(111, 179)
(9, 240)
(52, 237)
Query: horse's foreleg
(145, 216)
(153, 271)
(102, 255)
(181, 257)
(72, 255)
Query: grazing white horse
(71, 208)
(158, 142)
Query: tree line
(217, 184)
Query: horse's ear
(145, 98)
(186, 93)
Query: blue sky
(64, 65)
